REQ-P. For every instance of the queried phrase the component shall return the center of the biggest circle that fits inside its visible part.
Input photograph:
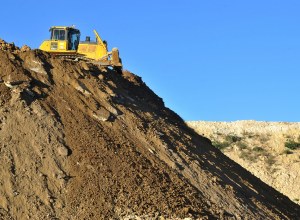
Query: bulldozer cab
(62, 39)
(68, 34)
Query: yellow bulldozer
(65, 41)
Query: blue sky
(213, 60)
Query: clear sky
(216, 60)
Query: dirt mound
(11, 47)
(78, 142)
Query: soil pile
(81, 142)
(11, 47)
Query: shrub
(264, 138)
(221, 145)
(287, 151)
(232, 138)
(248, 156)
(293, 145)
(242, 145)
(271, 160)
(258, 149)
(250, 134)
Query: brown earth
(81, 142)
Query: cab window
(58, 34)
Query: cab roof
(63, 27)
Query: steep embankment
(269, 150)
(81, 142)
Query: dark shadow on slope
(135, 95)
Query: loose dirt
(81, 142)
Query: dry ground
(81, 142)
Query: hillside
(82, 142)
(269, 150)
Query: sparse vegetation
(270, 160)
(287, 151)
(293, 145)
(258, 149)
(241, 145)
(270, 150)
(248, 156)
(264, 138)
(232, 138)
(250, 134)
(228, 141)
(221, 145)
